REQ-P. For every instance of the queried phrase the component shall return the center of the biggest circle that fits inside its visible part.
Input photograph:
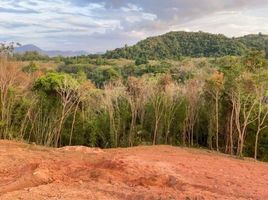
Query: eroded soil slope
(162, 172)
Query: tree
(244, 102)
(171, 101)
(13, 86)
(262, 106)
(266, 49)
(104, 74)
(137, 97)
(254, 60)
(6, 49)
(66, 88)
(192, 92)
(82, 94)
(156, 98)
(31, 68)
(214, 87)
(141, 60)
(232, 69)
(261, 118)
(114, 92)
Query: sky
(100, 25)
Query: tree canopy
(173, 45)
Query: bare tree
(137, 95)
(262, 113)
(83, 94)
(172, 100)
(13, 84)
(231, 125)
(243, 112)
(68, 93)
(192, 91)
(113, 91)
(214, 86)
(7, 49)
(156, 99)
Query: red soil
(161, 172)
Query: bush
(31, 68)
(141, 61)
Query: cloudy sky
(98, 25)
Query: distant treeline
(173, 45)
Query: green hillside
(255, 41)
(193, 44)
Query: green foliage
(50, 82)
(263, 147)
(100, 61)
(257, 42)
(31, 56)
(141, 60)
(103, 74)
(31, 68)
(174, 45)
(255, 60)
(97, 74)
(76, 68)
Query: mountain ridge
(175, 44)
(50, 53)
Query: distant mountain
(28, 47)
(53, 53)
(191, 44)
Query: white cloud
(231, 23)
(97, 25)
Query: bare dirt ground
(161, 172)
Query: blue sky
(98, 25)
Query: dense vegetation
(174, 45)
(257, 42)
(216, 103)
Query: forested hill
(192, 44)
(255, 41)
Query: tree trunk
(132, 128)
(58, 133)
(72, 129)
(256, 144)
(238, 146)
(217, 121)
(155, 131)
(167, 133)
(241, 148)
(231, 132)
(192, 135)
(184, 134)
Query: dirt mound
(81, 149)
(160, 172)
